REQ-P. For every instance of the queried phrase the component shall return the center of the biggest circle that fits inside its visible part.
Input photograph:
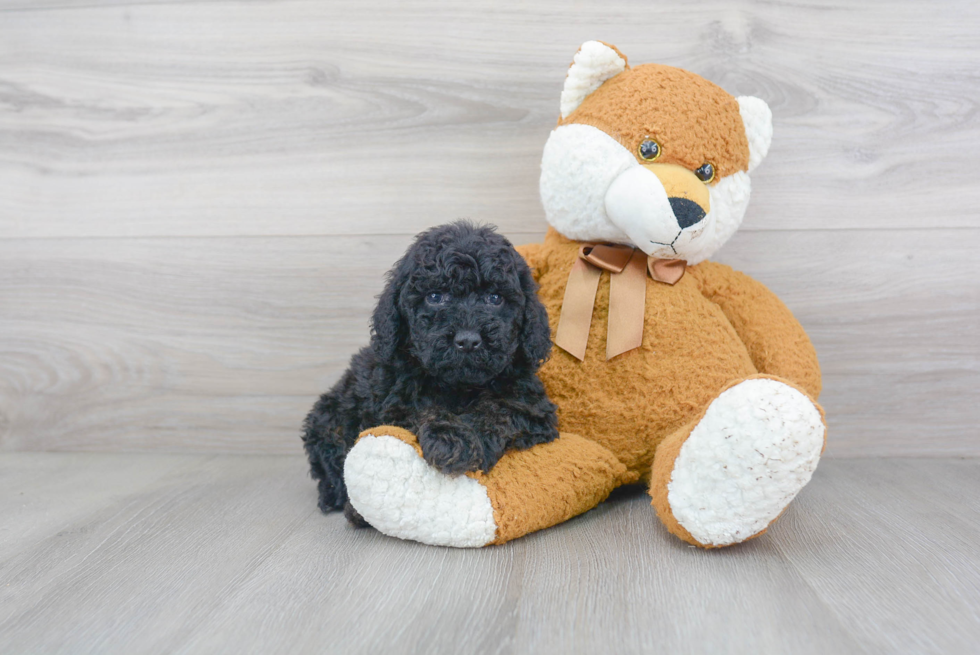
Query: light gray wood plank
(41, 495)
(145, 569)
(891, 547)
(229, 554)
(619, 567)
(185, 343)
(296, 117)
(408, 597)
(221, 345)
(612, 574)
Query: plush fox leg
(732, 471)
(399, 494)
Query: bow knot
(628, 268)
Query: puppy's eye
(493, 299)
(436, 298)
(649, 150)
(706, 173)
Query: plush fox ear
(757, 118)
(594, 63)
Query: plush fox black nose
(687, 212)
(467, 340)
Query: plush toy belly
(630, 403)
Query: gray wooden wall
(198, 200)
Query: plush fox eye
(706, 173)
(649, 150)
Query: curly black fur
(456, 340)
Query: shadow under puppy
(456, 340)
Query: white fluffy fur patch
(756, 447)
(729, 199)
(400, 495)
(757, 118)
(577, 167)
(594, 63)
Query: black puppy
(456, 340)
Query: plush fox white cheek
(729, 199)
(578, 165)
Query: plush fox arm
(775, 340)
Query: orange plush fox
(669, 369)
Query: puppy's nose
(467, 340)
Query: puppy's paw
(452, 448)
(332, 494)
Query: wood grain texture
(160, 556)
(309, 117)
(898, 530)
(227, 553)
(197, 200)
(221, 345)
(40, 496)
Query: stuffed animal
(669, 370)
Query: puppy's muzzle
(467, 340)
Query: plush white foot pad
(400, 495)
(756, 447)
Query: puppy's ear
(387, 324)
(535, 333)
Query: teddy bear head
(650, 156)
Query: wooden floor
(150, 553)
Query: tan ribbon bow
(628, 268)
